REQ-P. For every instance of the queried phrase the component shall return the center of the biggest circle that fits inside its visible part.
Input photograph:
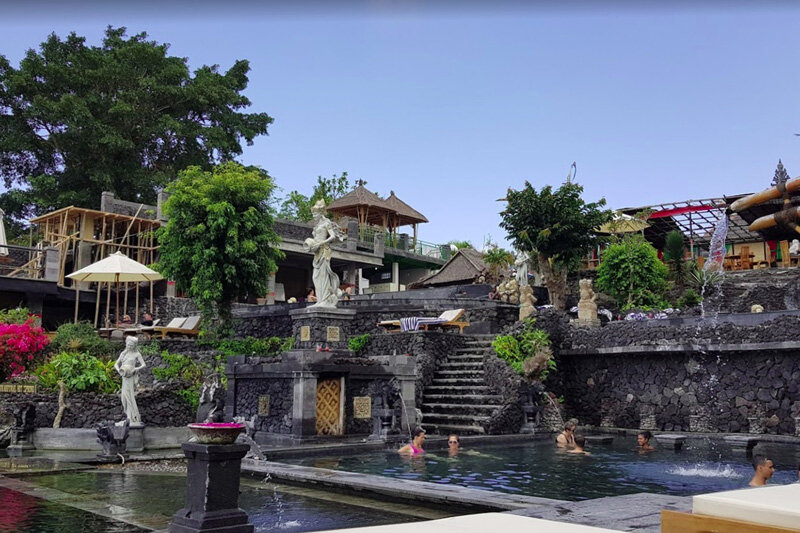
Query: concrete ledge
(155, 438)
(398, 489)
(687, 348)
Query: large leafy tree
(219, 243)
(297, 206)
(125, 117)
(556, 227)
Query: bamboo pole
(97, 303)
(125, 301)
(136, 319)
(77, 300)
(116, 285)
(108, 301)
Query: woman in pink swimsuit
(415, 448)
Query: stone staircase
(458, 399)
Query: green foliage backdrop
(219, 243)
(631, 272)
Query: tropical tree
(674, 254)
(556, 227)
(631, 272)
(219, 243)
(297, 206)
(497, 258)
(124, 117)
(460, 244)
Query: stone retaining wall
(160, 407)
(729, 391)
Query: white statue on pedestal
(128, 365)
(521, 266)
(326, 282)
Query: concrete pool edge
(399, 489)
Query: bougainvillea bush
(20, 346)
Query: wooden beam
(677, 522)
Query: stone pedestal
(700, 423)
(135, 442)
(325, 327)
(21, 439)
(797, 426)
(212, 490)
(756, 425)
(673, 441)
(742, 443)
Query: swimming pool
(540, 469)
(124, 501)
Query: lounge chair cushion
(775, 505)
(451, 314)
(177, 322)
(192, 323)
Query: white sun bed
(774, 508)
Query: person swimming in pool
(566, 439)
(580, 443)
(453, 444)
(415, 447)
(763, 471)
(643, 441)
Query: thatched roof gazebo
(363, 205)
(404, 215)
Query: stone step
(466, 351)
(465, 358)
(465, 390)
(458, 409)
(484, 399)
(449, 429)
(461, 365)
(465, 420)
(458, 381)
(487, 342)
(461, 373)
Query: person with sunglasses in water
(453, 444)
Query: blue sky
(449, 107)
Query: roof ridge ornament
(781, 175)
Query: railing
(21, 261)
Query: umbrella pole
(77, 299)
(136, 320)
(125, 300)
(97, 303)
(108, 302)
(116, 284)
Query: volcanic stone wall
(280, 392)
(160, 407)
(716, 377)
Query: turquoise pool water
(540, 469)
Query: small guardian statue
(128, 366)
(587, 308)
(326, 281)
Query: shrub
(80, 337)
(527, 352)
(80, 372)
(689, 299)
(631, 272)
(263, 347)
(20, 345)
(357, 343)
(674, 251)
(18, 315)
(188, 373)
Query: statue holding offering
(326, 282)
(128, 366)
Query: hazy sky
(449, 107)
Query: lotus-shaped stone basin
(216, 433)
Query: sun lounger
(188, 327)
(446, 319)
(772, 509)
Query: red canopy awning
(681, 211)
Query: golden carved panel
(305, 333)
(362, 407)
(328, 407)
(333, 334)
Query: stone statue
(521, 266)
(112, 436)
(326, 282)
(212, 400)
(587, 308)
(128, 365)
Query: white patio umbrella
(116, 268)
(3, 239)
